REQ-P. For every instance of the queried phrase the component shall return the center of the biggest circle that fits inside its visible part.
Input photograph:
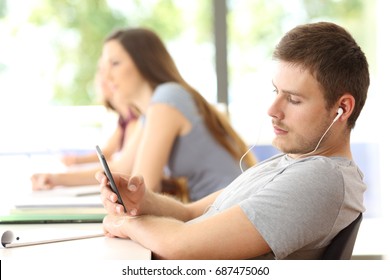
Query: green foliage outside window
(254, 26)
(87, 23)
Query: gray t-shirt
(297, 205)
(197, 156)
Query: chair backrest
(342, 244)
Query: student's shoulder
(170, 89)
(323, 167)
(323, 162)
(171, 93)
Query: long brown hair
(157, 66)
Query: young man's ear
(347, 103)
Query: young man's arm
(227, 235)
(158, 222)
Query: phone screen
(109, 175)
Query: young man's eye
(293, 101)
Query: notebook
(46, 218)
(56, 206)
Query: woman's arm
(163, 125)
(44, 181)
(110, 147)
(124, 161)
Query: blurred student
(287, 207)
(179, 134)
(122, 132)
(117, 144)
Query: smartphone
(109, 175)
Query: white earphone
(340, 111)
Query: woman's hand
(42, 181)
(132, 191)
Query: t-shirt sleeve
(176, 96)
(298, 207)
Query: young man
(287, 207)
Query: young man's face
(299, 114)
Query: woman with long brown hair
(180, 134)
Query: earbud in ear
(340, 111)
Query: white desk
(97, 248)
(17, 183)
